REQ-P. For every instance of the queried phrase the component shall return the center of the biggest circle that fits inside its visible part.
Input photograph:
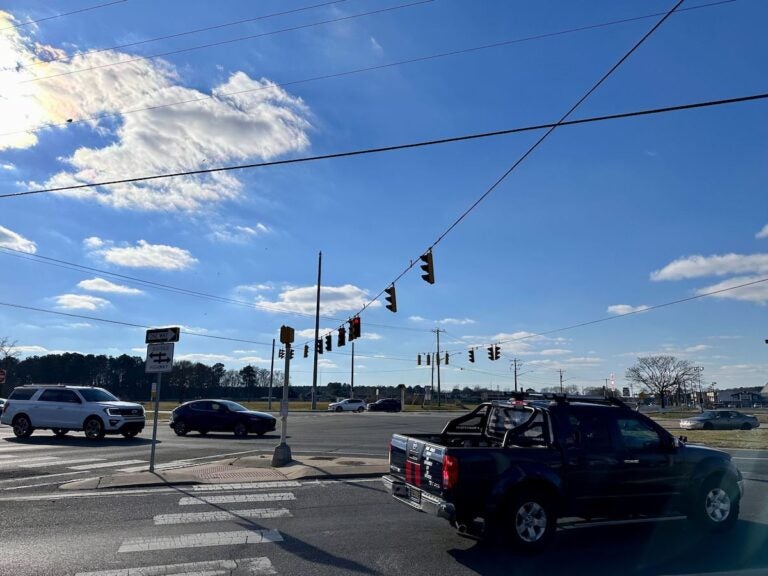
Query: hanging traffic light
(354, 328)
(328, 346)
(428, 267)
(418, 360)
(490, 353)
(306, 350)
(281, 353)
(472, 356)
(391, 298)
(292, 352)
(342, 337)
(428, 358)
(496, 352)
(446, 358)
(319, 346)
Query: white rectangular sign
(159, 358)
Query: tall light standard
(699, 370)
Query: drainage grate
(230, 473)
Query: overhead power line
(230, 41)
(395, 147)
(180, 34)
(97, 6)
(206, 97)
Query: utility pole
(516, 364)
(561, 380)
(317, 331)
(437, 331)
(352, 376)
(271, 374)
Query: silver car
(720, 420)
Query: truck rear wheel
(529, 521)
(715, 507)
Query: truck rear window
(522, 425)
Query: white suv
(63, 408)
(348, 405)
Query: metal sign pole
(282, 454)
(154, 425)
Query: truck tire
(22, 427)
(529, 521)
(715, 506)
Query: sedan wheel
(746, 426)
(180, 427)
(361, 409)
(339, 409)
(240, 429)
(707, 426)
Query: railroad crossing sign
(159, 358)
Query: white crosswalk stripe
(243, 486)
(220, 516)
(60, 462)
(250, 566)
(236, 498)
(106, 464)
(20, 461)
(145, 544)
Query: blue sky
(600, 220)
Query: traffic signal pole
(317, 331)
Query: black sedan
(206, 416)
(384, 405)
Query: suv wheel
(530, 521)
(339, 409)
(716, 505)
(60, 432)
(361, 409)
(94, 428)
(22, 427)
(240, 429)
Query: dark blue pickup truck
(515, 468)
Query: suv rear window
(96, 395)
(22, 394)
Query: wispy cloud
(757, 293)
(8, 166)
(333, 299)
(102, 285)
(11, 239)
(143, 255)
(227, 233)
(620, 309)
(703, 266)
(763, 233)
(80, 302)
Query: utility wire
(180, 34)
(174, 289)
(230, 41)
(62, 15)
(71, 121)
(395, 147)
(128, 324)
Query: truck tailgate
(418, 462)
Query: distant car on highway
(384, 405)
(206, 416)
(347, 405)
(720, 420)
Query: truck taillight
(450, 471)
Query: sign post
(282, 454)
(159, 359)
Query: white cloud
(80, 302)
(417, 319)
(10, 239)
(209, 359)
(8, 166)
(146, 255)
(763, 233)
(102, 285)
(757, 293)
(333, 299)
(456, 321)
(554, 352)
(238, 234)
(244, 119)
(702, 266)
(698, 348)
(584, 361)
(620, 309)
(253, 360)
(93, 243)
(376, 46)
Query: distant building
(743, 397)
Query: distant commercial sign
(156, 335)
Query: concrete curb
(247, 469)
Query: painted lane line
(252, 566)
(20, 461)
(105, 465)
(59, 462)
(221, 516)
(200, 540)
(275, 497)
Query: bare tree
(7, 349)
(661, 375)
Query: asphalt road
(305, 528)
